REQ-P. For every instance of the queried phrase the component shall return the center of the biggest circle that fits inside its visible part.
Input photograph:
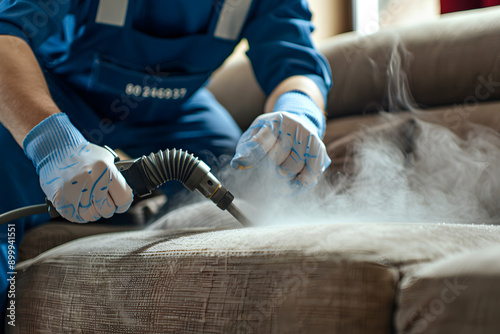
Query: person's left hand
(292, 140)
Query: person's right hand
(79, 178)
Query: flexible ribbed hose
(169, 165)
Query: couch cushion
(315, 278)
(344, 135)
(44, 237)
(459, 294)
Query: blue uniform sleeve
(32, 20)
(279, 36)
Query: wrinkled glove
(291, 136)
(79, 178)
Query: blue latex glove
(79, 178)
(291, 136)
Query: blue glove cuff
(301, 104)
(51, 141)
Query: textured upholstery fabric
(459, 294)
(57, 232)
(311, 278)
(45, 237)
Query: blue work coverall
(130, 74)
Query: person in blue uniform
(77, 75)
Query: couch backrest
(455, 59)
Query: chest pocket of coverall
(119, 72)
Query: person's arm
(296, 83)
(296, 78)
(24, 96)
(279, 36)
(79, 178)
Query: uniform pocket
(171, 88)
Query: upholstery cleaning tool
(148, 173)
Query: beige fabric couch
(195, 270)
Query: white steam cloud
(444, 179)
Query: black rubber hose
(167, 165)
(23, 212)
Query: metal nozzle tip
(233, 209)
